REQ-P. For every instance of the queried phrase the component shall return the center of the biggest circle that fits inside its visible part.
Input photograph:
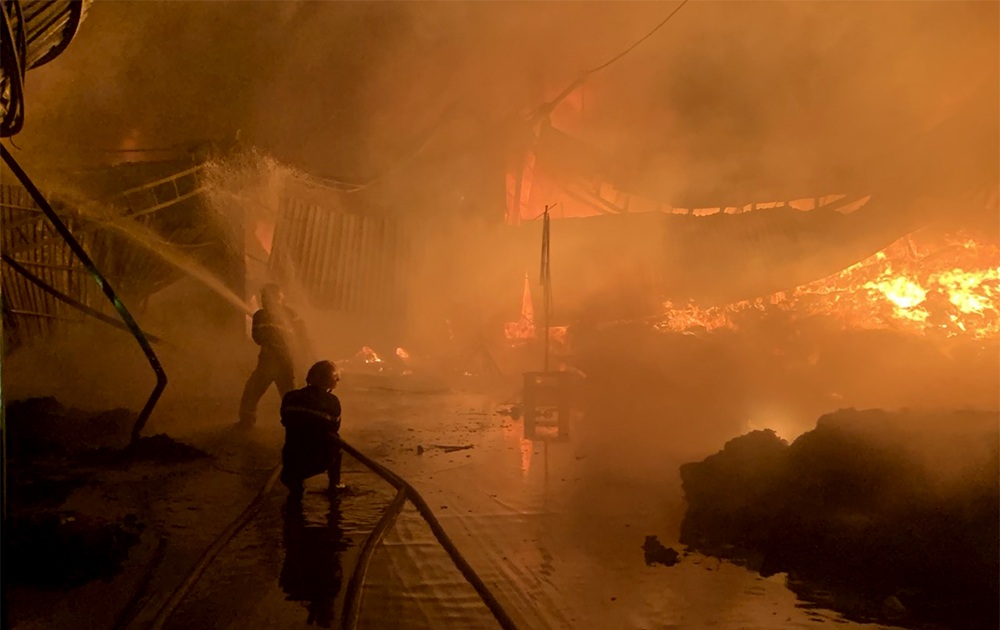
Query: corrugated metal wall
(30, 239)
(345, 262)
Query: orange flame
(264, 232)
(368, 355)
(949, 286)
(524, 328)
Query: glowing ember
(368, 355)
(949, 286)
(524, 328)
(402, 354)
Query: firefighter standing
(279, 332)
(311, 417)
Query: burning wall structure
(713, 117)
(869, 252)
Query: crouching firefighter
(311, 417)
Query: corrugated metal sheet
(50, 25)
(34, 32)
(31, 240)
(46, 256)
(344, 261)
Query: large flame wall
(924, 284)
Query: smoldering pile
(42, 428)
(898, 511)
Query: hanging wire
(546, 108)
(416, 149)
(639, 41)
(541, 109)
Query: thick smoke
(726, 94)
(729, 103)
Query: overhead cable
(546, 108)
(639, 41)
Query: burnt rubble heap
(899, 513)
(42, 428)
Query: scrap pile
(902, 509)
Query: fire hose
(352, 595)
(213, 550)
(445, 541)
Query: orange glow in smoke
(921, 285)
(524, 328)
(264, 232)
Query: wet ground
(556, 529)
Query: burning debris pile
(947, 285)
(368, 361)
(397, 370)
(899, 508)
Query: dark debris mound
(61, 550)
(732, 488)
(40, 427)
(43, 429)
(654, 552)
(156, 449)
(901, 507)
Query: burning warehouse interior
(641, 315)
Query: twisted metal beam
(62, 297)
(77, 249)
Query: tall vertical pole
(546, 282)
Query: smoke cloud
(727, 95)
(728, 103)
